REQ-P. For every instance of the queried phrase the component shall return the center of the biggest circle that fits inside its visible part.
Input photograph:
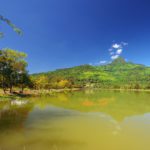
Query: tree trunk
(4, 89)
(22, 89)
(11, 89)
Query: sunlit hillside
(118, 74)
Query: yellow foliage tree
(63, 83)
(40, 82)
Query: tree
(40, 82)
(12, 68)
(24, 81)
(63, 83)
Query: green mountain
(118, 74)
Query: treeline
(61, 78)
(46, 82)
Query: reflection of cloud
(18, 102)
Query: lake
(85, 120)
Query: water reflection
(88, 120)
(118, 104)
(13, 116)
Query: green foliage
(118, 74)
(13, 69)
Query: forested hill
(118, 74)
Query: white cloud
(119, 51)
(103, 62)
(114, 57)
(116, 46)
(112, 53)
(124, 43)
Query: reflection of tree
(13, 116)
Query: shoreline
(136, 90)
(51, 92)
(35, 93)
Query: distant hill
(118, 74)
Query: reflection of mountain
(13, 116)
(49, 113)
(117, 104)
(57, 128)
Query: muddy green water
(86, 120)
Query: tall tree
(12, 67)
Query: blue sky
(66, 33)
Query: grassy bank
(33, 93)
(28, 92)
